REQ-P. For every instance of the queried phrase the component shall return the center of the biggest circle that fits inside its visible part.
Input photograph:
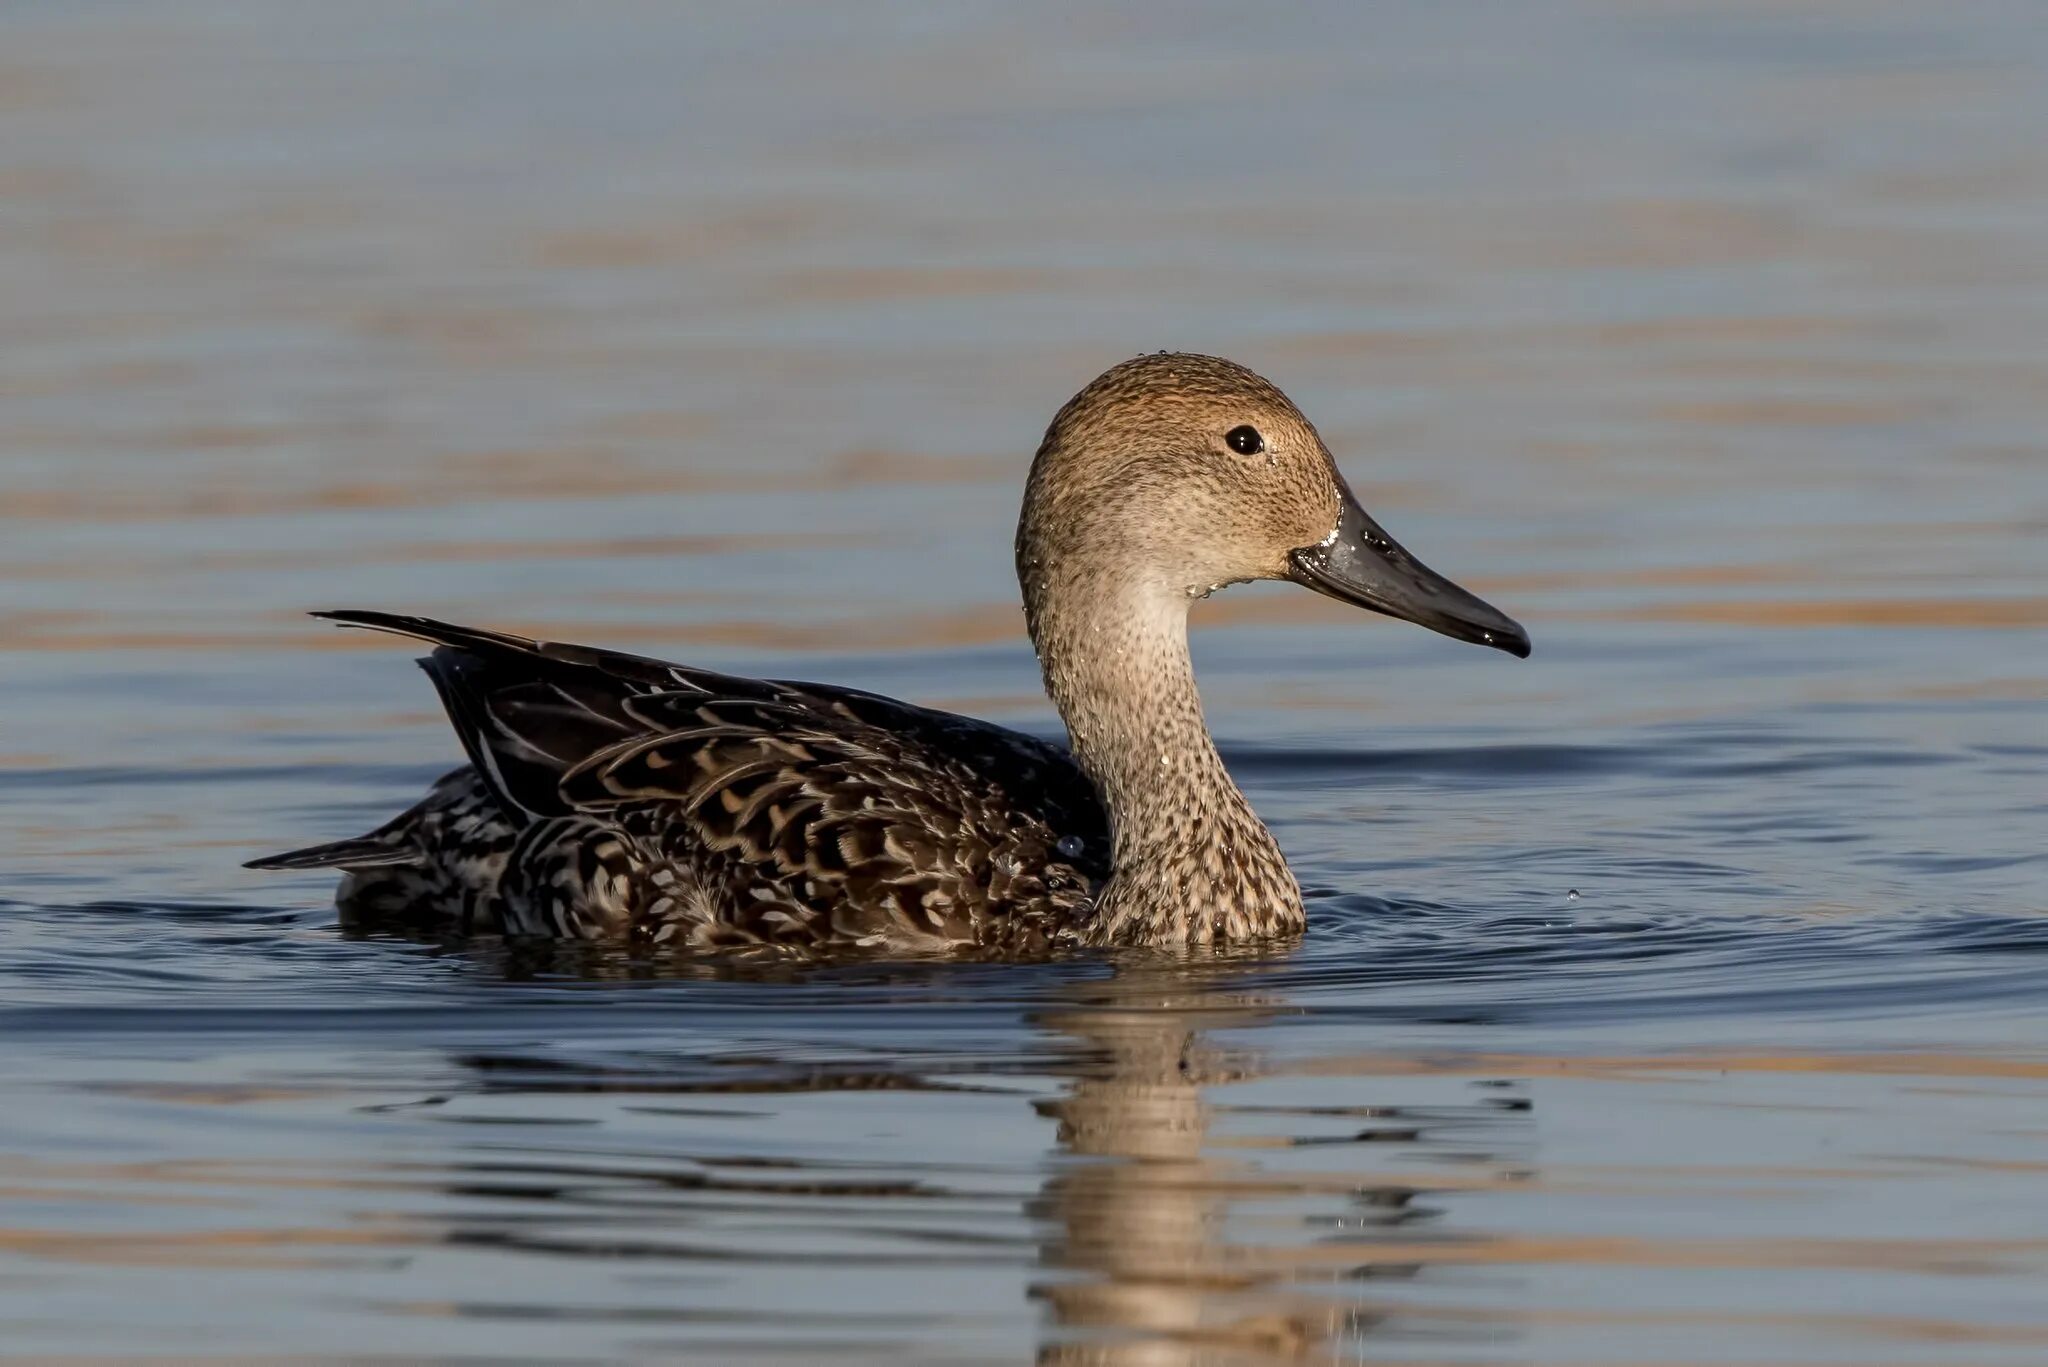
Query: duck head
(1176, 474)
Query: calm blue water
(1674, 997)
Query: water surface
(1672, 997)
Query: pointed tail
(376, 850)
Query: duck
(614, 797)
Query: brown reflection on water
(1146, 1208)
(1141, 1219)
(223, 1248)
(450, 551)
(506, 475)
(2015, 611)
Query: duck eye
(1246, 441)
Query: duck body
(617, 797)
(610, 796)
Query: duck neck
(1192, 863)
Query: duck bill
(1360, 564)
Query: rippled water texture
(1710, 339)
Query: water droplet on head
(1486, 638)
(1571, 894)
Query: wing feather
(880, 817)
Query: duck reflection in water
(1139, 1207)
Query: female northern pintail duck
(612, 796)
